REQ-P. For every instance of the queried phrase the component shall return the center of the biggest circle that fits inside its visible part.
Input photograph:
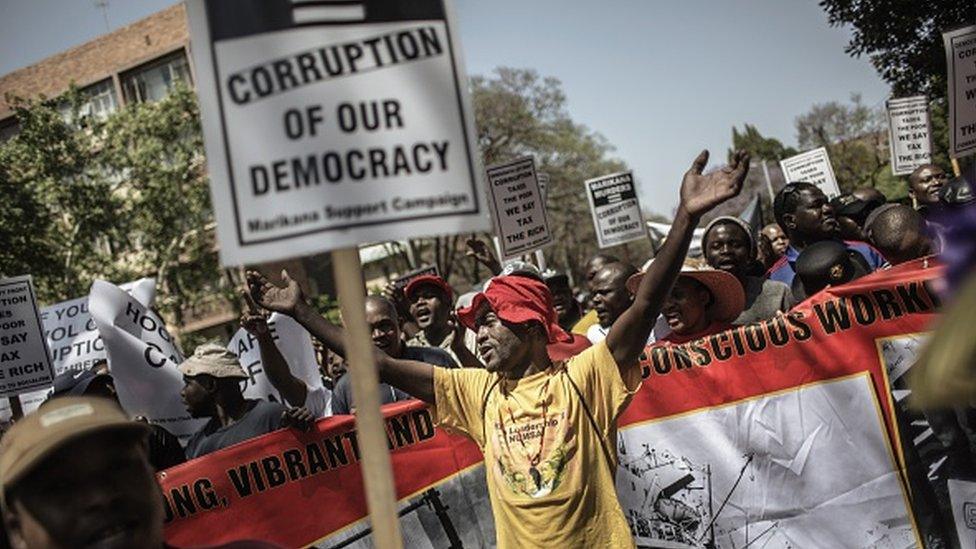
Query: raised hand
(480, 252)
(251, 318)
(700, 192)
(275, 298)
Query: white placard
(813, 167)
(325, 129)
(25, 364)
(295, 345)
(518, 207)
(616, 212)
(73, 339)
(909, 133)
(960, 47)
(143, 358)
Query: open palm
(702, 192)
(271, 297)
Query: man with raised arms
(546, 426)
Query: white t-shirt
(318, 401)
(597, 333)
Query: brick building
(138, 62)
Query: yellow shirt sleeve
(583, 324)
(459, 396)
(605, 391)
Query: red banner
(297, 489)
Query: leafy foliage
(902, 38)
(856, 139)
(119, 198)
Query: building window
(98, 100)
(8, 129)
(101, 99)
(152, 82)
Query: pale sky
(661, 79)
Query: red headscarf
(518, 299)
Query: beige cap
(213, 360)
(58, 421)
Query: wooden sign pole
(16, 410)
(955, 167)
(371, 433)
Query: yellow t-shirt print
(546, 460)
(531, 457)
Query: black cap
(72, 382)
(849, 205)
(956, 191)
(826, 263)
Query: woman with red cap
(546, 425)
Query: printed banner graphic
(780, 434)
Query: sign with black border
(25, 362)
(617, 215)
(331, 124)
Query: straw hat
(727, 293)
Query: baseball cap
(73, 383)
(213, 360)
(55, 423)
(428, 279)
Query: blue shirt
(783, 270)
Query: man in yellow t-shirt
(547, 425)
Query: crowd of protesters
(526, 347)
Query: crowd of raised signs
(744, 275)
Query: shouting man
(546, 428)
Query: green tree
(856, 138)
(759, 146)
(118, 198)
(518, 112)
(903, 40)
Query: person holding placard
(543, 426)
(804, 212)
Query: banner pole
(16, 410)
(371, 434)
(955, 167)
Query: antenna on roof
(103, 5)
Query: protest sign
(25, 363)
(960, 48)
(519, 210)
(143, 359)
(616, 212)
(909, 133)
(295, 345)
(401, 282)
(73, 338)
(328, 126)
(772, 432)
(813, 167)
